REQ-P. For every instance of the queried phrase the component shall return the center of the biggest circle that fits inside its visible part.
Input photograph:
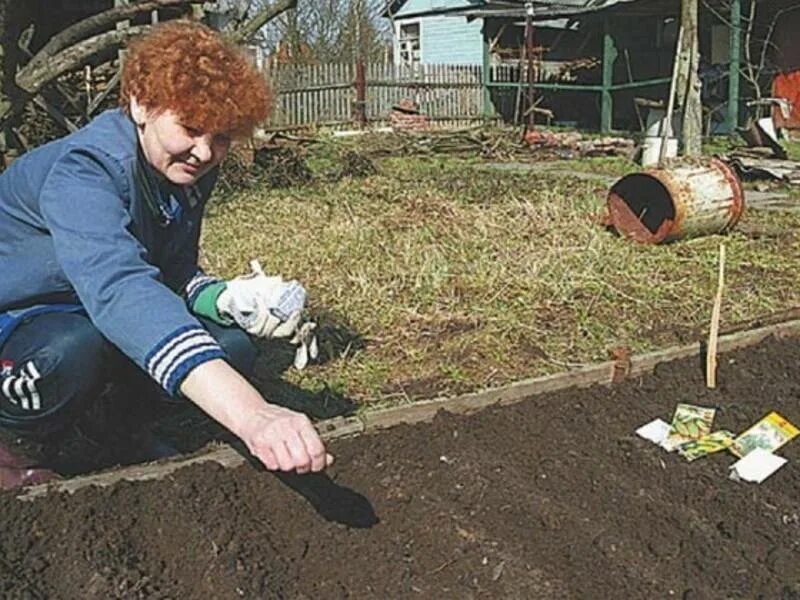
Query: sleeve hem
(197, 284)
(178, 353)
(174, 384)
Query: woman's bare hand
(282, 439)
(285, 440)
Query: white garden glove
(268, 307)
(306, 341)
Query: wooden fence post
(361, 94)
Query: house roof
(393, 7)
(516, 8)
(541, 8)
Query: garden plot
(553, 497)
(442, 276)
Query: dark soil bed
(551, 498)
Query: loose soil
(551, 498)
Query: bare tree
(78, 44)
(330, 30)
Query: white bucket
(657, 123)
(651, 150)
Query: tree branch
(263, 17)
(85, 27)
(34, 76)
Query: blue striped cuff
(197, 284)
(180, 352)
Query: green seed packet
(708, 444)
(770, 433)
(688, 423)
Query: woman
(98, 249)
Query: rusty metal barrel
(686, 199)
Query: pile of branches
(355, 164)
(480, 141)
(286, 165)
(282, 166)
(496, 144)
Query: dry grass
(440, 276)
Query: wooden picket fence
(325, 94)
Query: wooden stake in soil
(713, 335)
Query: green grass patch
(439, 276)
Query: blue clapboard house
(425, 32)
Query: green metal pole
(735, 65)
(609, 58)
(488, 108)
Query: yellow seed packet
(689, 422)
(708, 444)
(770, 433)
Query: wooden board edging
(339, 427)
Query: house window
(408, 44)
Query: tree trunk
(264, 16)
(689, 80)
(5, 103)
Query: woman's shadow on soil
(336, 340)
(333, 502)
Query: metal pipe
(735, 64)
(671, 101)
(531, 120)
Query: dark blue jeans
(54, 364)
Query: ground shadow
(334, 502)
(336, 339)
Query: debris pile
(752, 167)
(286, 164)
(354, 164)
(574, 144)
(282, 166)
(237, 172)
(495, 144)
(765, 157)
(405, 116)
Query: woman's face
(179, 152)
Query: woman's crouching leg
(53, 365)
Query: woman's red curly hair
(189, 69)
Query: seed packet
(756, 466)
(770, 433)
(688, 423)
(708, 444)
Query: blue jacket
(86, 223)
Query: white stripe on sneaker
(7, 382)
(36, 401)
(18, 385)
